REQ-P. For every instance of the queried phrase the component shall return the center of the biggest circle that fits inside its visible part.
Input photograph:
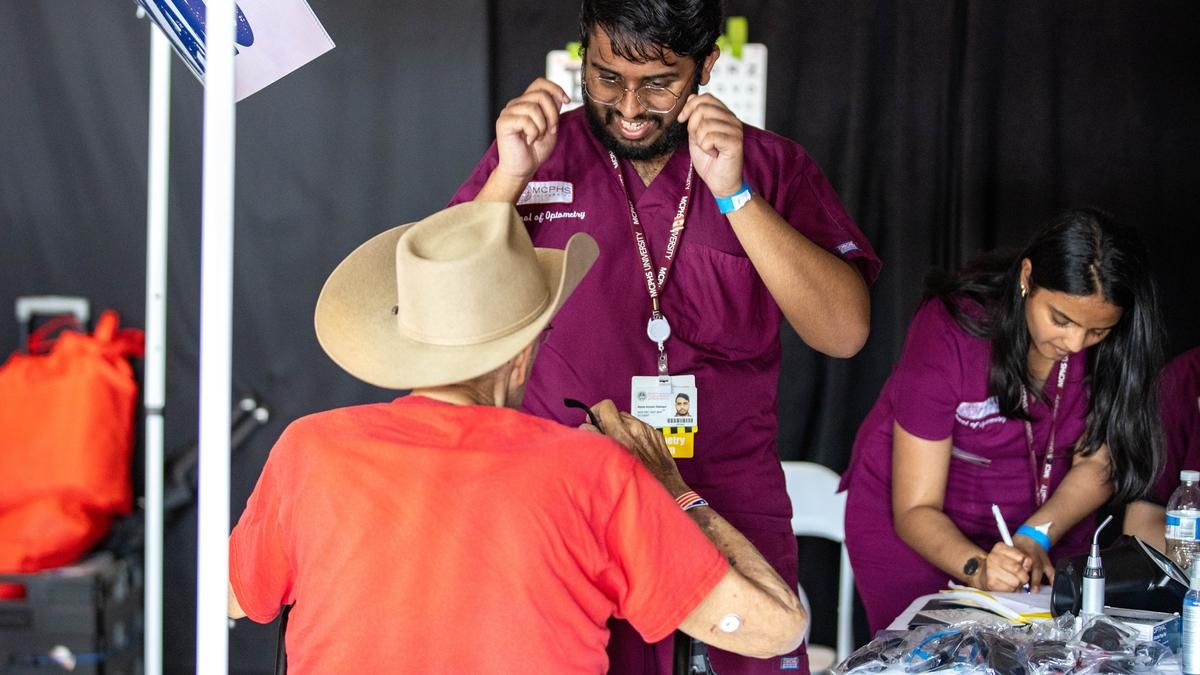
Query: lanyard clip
(657, 329)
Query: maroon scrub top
(724, 322)
(1179, 401)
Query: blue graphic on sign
(194, 11)
(183, 22)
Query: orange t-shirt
(417, 536)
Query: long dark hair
(641, 30)
(1080, 252)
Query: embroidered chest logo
(548, 192)
(551, 216)
(978, 414)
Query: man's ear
(522, 364)
(707, 65)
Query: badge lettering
(547, 192)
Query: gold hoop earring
(1024, 291)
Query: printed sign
(274, 37)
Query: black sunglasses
(572, 403)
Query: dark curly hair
(644, 30)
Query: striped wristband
(1035, 534)
(690, 500)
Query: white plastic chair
(818, 511)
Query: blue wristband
(1036, 535)
(736, 200)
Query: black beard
(666, 144)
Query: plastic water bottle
(1183, 511)
(1190, 633)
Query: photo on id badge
(672, 408)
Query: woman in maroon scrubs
(1027, 382)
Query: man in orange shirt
(446, 531)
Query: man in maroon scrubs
(710, 232)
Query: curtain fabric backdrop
(947, 128)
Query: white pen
(1004, 534)
(1001, 525)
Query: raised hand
(715, 143)
(527, 129)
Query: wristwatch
(971, 566)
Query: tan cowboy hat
(445, 299)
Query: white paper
(274, 38)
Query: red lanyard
(655, 284)
(657, 329)
(1041, 484)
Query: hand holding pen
(1006, 537)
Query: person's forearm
(1084, 489)
(1147, 521)
(932, 534)
(744, 557)
(501, 187)
(741, 554)
(822, 296)
(751, 589)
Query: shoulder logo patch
(847, 247)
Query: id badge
(672, 409)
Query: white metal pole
(216, 299)
(154, 389)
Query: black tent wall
(947, 128)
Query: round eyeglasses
(609, 91)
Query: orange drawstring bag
(66, 440)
